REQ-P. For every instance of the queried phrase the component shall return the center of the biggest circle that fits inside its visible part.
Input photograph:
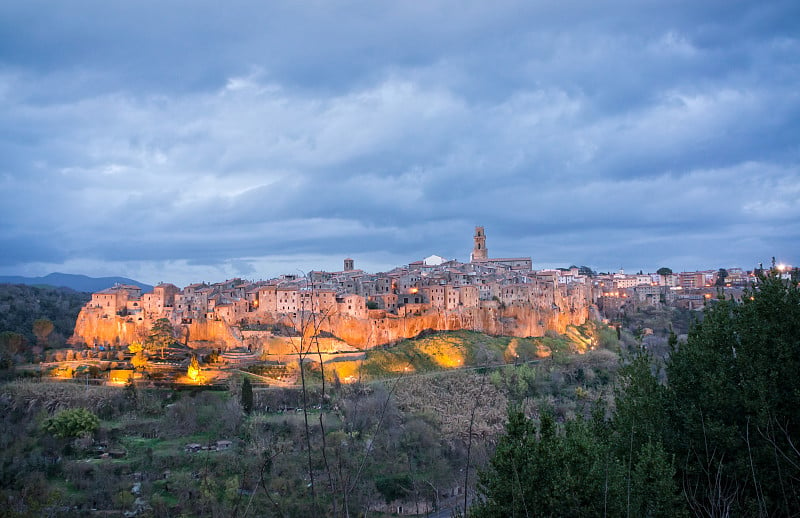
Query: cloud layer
(194, 142)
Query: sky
(190, 141)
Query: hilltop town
(494, 295)
(502, 296)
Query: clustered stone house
(434, 293)
(430, 284)
(614, 292)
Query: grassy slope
(449, 350)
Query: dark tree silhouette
(247, 396)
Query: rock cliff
(520, 321)
(93, 328)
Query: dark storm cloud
(209, 140)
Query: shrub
(75, 422)
(393, 487)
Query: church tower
(479, 252)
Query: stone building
(352, 305)
(115, 299)
(479, 251)
(163, 297)
(480, 255)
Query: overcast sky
(201, 140)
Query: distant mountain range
(75, 282)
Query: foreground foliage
(406, 441)
(574, 471)
(734, 405)
(720, 438)
(74, 422)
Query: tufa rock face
(520, 321)
(94, 328)
(523, 320)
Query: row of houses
(730, 277)
(432, 283)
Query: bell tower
(479, 251)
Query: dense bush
(75, 422)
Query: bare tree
(469, 442)
(309, 324)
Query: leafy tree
(161, 336)
(587, 467)
(639, 416)
(139, 359)
(74, 422)
(42, 328)
(11, 343)
(638, 431)
(653, 491)
(247, 396)
(734, 396)
(547, 472)
(722, 274)
(193, 371)
(664, 271)
(393, 487)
